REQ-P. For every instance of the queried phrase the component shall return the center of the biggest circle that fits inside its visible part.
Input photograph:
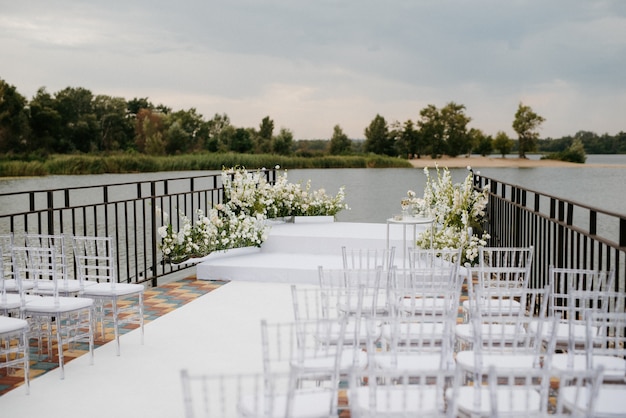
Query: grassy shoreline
(129, 163)
(138, 163)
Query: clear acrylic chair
(66, 283)
(11, 297)
(423, 258)
(7, 243)
(580, 394)
(431, 275)
(420, 330)
(251, 395)
(345, 284)
(503, 268)
(410, 344)
(307, 303)
(391, 393)
(66, 319)
(500, 304)
(605, 345)
(506, 392)
(14, 347)
(119, 303)
(313, 352)
(368, 258)
(504, 340)
(573, 293)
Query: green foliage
(282, 143)
(377, 137)
(502, 143)
(575, 153)
(339, 142)
(75, 120)
(445, 130)
(526, 123)
(135, 162)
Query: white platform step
(293, 252)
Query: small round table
(414, 221)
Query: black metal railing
(131, 212)
(563, 233)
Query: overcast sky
(312, 64)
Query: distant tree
(189, 134)
(79, 125)
(395, 137)
(481, 143)
(241, 142)
(283, 142)
(455, 129)
(135, 105)
(155, 144)
(575, 153)
(45, 124)
(502, 143)
(177, 140)
(115, 130)
(410, 138)
(339, 142)
(377, 139)
(219, 133)
(13, 118)
(526, 123)
(432, 129)
(264, 136)
(149, 136)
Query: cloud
(312, 64)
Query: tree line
(75, 120)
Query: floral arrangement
(220, 229)
(251, 193)
(240, 220)
(417, 205)
(458, 210)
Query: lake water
(374, 194)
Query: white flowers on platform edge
(249, 199)
(458, 210)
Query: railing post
(50, 212)
(153, 246)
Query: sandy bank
(493, 162)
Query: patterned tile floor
(157, 302)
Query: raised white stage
(293, 251)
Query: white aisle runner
(216, 333)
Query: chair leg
(91, 335)
(116, 320)
(60, 351)
(141, 317)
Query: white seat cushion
(467, 360)
(614, 367)
(610, 402)
(406, 362)
(63, 286)
(396, 400)
(120, 289)
(562, 332)
(434, 306)
(508, 401)
(49, 304)
(10, 285)
(11, 325)
(305, 404)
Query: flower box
(313, 219)
(231, 252)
